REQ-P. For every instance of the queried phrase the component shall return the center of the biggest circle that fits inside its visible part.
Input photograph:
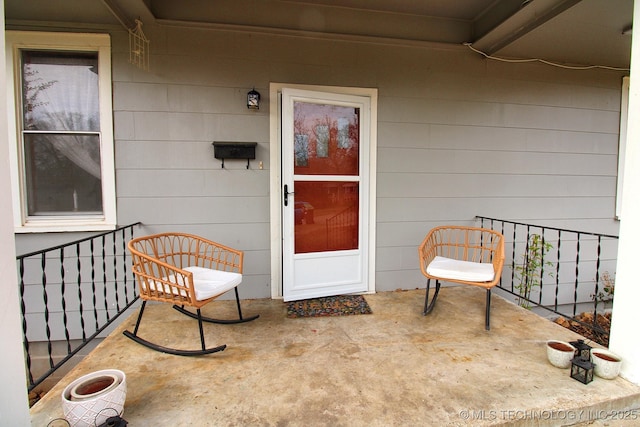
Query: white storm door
(325, 193)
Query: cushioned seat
(210, 283)
(207, 282)
(453, 269)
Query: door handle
(286, 195)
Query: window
(61, 131)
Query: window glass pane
(60, 91)
(63, 174)
(60, 101)
(326, 216)
(326, 140)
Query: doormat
(341, 305)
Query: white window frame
(101, 44)
(622, 143)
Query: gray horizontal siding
(467, 113)
(474, 162)
(196, 210)
(186, 155)
(458, 136)
(465, 208)
(439, 136)
(494, 184)
(194, 182)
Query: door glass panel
(326, 216)
(326, 139)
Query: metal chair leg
(240, 319)
(135, 330)
(134, 336)
(428, 307)
(488, 310)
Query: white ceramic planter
(607, 363)
(560, 353)
(91, 399)
(94, 386)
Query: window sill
(62, 227)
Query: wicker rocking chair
(467, 255)
(186, 271)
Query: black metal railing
(572, 274)
(71, 293)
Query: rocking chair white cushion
(209, 283)
(447, 268)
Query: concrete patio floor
(393, 367)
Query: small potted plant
(560, 353)
(607, 363)
(93, 398)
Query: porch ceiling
(584, 32)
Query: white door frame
(275, 186)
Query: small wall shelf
(234, 150)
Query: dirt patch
(594, 329)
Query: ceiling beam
(495, 15)
(116, 11)
(528, 17)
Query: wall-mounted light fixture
(253, 100)
(627, 30)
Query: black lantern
(582, 370)
(583, 350)
(253, 100)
